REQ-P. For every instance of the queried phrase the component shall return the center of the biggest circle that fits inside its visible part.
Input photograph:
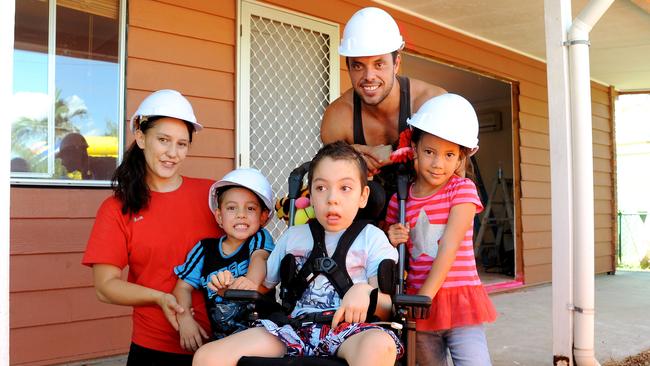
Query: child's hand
(221, 281)
(170, 308)
(191, 333)
(243, 283)
(398, 234)
(354, 305)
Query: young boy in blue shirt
(241, 202)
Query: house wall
(55, 316)
(189, 45)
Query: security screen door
(288, 74)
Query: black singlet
(387, 176)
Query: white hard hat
(165, 103)
(450, 117)
(370, 32)
(248, 178)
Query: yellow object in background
(102, 146)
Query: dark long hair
(129, 180)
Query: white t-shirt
(362, 261)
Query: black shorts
(141, 356)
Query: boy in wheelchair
(337, 181)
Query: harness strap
(318, 262)
(357, 124)
(404, 102)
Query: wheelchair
(391, 278)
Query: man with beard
(373, 113)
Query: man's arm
(337, 122)
(421, 92)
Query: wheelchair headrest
(376, 202)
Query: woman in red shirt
(154, 217)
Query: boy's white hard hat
(165, 103)
(450, 117)
(248, 178)
(370, 32)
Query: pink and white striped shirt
(427, 217)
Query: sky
(83, 83)
(633, 152)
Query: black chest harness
(294, 282)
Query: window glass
(66, 91)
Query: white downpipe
(583, 191)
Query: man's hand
(398, 234)
(170, 308)
(375, 156)
(191, 333)
(354, 305)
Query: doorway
(494, 168)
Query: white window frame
(245, 9)
(33, 179)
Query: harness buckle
(325, 265)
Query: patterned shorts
(320, 339)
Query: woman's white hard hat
(450, 117)
(165, 103)
(249, 178)
(370, 32)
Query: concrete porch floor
(522, 335)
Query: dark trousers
(141, 356)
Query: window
(289, 74)
(67, 91)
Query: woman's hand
(398, 234)
(354, 305)
(170, 308)
(191, 333)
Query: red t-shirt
(151, 243)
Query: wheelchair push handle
(402, 193)
(295, 184)
(295, 180)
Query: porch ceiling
(620, 41)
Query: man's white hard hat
(370, 32)
(249, 178)
(165, 103)
(450, 117)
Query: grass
(642, 359)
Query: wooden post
(557, 17)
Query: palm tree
(26, 133)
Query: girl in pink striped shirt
(440, 211)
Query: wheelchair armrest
(414, 306)
(412, 300)
(242, 295)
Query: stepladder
(494, 242)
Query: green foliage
(28, 132)
(645, 262)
